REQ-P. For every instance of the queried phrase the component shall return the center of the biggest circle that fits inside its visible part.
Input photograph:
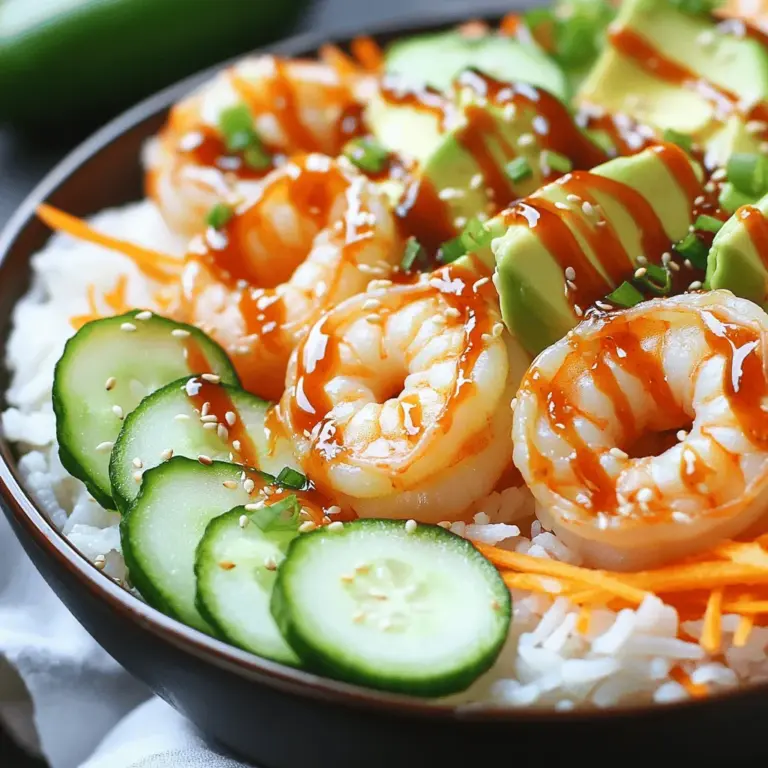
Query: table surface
(24, 162)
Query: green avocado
(531, 279)
(666, 99)
(435, 59)
(736, 261)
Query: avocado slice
(738, 258)
(538, 239)
(435, 59)
(624, 80)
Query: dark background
(24, 161)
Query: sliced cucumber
(235, 569)
(106, 369)
(164, 525)
(169, 423)
(419, 612)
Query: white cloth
(62, 696)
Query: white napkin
(62, 696)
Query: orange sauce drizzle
(757, 228)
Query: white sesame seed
(257, 505)
(210, 425)
(128, 327)
(230, 417)
(181, 417)
(205, 409)
(476, 181)
(145, 315)
(307, 527)
(641, 260)
(719, 174)
(562, 206)
(270, 564)
(211, 378)
(573, 198)
(445, 524)
(452, 312)
(618, 453)
(480, 283)
(333, 510)
(588, 208)
(243, 521)
(180, 333)
(370, 304)
(222, 432)
(641, 272)
(167, 454)
(695, 285)
(249, 485)
(497, 330)
(105, 446)
(570, 273)
(681, 434)
(110, 383)
(138, 463)
(231, 484)
(336, 526)
(373, 319)
(236, 445)
(687, 264)
(526, 140)
(203, 459)
(644, 495)
(410, 526)
(209, 418)
(118, 411)
(137, 476)
(666, 258)
(578, 310)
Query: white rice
(625, 656)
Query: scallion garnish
(451, 250)
(236, 124)
(413, 252)
(626, 295)
(683, 140)
(257, 158)
(475, 236)
(696, 7)
(518, 169)
(730, 199)
(290, 478)
(748, 173)
(367, 154)
(219, 216)
(693, 249)
(656, 279)
(707, 223)
(281, 516)
(557, 162)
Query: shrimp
(397, 401)
(595, 407)
(316, 233)
(297, 106)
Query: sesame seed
(180, 333)
(243, 521)
(452, 312)
(719, 174)
(118, 411)
(128, 327)
(138, 463)
(618, 453)
(666, 258)
(145, 315)
(110, 383)
(570, 273)
(681, 434)
(270, 564)
(336, 526)
(210, 425)
(562, 206)
(167, 454)
(203, 459)
(641, 260)
(410, 526)
(674, 266)
(105, 446)
(231, 484)
(181, 417)
(230, 417)
(373, 319)
(641, 272)
(476, 181)
(100, 562)
(480, 283)
(307, 527)
(497, 330)
(137, 476)
(687, 264)
(236, 445)
(209, 418)
(222, 432)
(573, 198)
(255, 506)
(212, 378)
(445, 524)
(526, 140)
(249, 485)
(644, 495)
(588, 208)
(695, 285)
(578, 310)
(205, 409)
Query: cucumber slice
(235, 569)
(164, 525)
(169, 423)
(419, 612)
(106, 369)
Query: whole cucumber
(78, 61)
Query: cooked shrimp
(297, 106)
(398, 399)
(316, 233)
(589, 404)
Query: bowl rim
(209, 649)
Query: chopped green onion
(731, 199)
(696, 7)
(656, 279)
(693, 249)
(580, 31)
(290, 478)
(257, 158)
(367, 154)
(748, 173)
(220, 215)
(626, 295)
(475, 236)
(518, 169)
(683, 140)
(707, 223)
(557, 162)
(537, 16)
(451, 250)
(236, 123)
(280, 516)
(413, 252)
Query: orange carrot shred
(510, 24)
(367, 51)
(696, 690)
(743, 631)
(114, 299)
(155, 265)
(584, 620)
(712, 633)
(744, 553)
(334, 57)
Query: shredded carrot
(743, 631)
(334, 57)
(712, 633)
(114, 299)
(752, 607)
(532, 582)
(157, 266)
(510, 24)
(584, 620)
(744, 553)
(528, 564)
(367, 51)
(705, 575)
(696, 690)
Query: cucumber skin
(200, 603)
(323, 664)
(68, 461)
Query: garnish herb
(257, 158)
(413, 252)
(696, 7)
(730, 199)
(707, 223)
(236, 125)
(748, 173)
(367, 154)
(220, 215)
(692, 248)
(626, 295)
(518, 169)
(451, 250)
(557, 162)
(283, 515)
(656, 279)
(683, 140)
(290, 478)
(475, 236)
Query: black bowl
(281, 717)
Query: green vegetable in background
(75, 62)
